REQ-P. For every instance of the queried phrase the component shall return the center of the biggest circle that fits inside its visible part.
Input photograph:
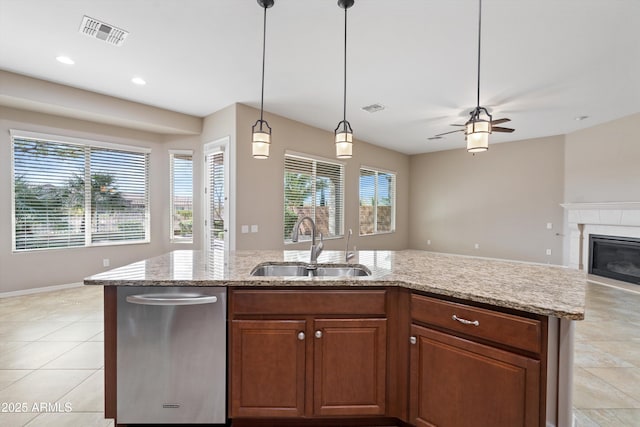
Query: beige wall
(501, 200)
(27, 270)
(260, 192)
(602, 163)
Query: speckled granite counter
(547, 290)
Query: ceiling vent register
(100, 30)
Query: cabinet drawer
(507, 329)
(344, 302)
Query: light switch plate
(254, 228)
(244, 229)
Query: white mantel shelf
(608, 218)
(602, 206)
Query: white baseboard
(38, 290)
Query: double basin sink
(299, 269)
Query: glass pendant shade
(261, 141)
(344, 145)
(477, 135)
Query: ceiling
(544, 62)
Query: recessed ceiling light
(580, 118)
(65, 60)
(138, 81)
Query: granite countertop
(540, 289)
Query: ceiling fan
(478, 128)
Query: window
(313, 188)
(181, 173)
(72, 194)
(377, 201)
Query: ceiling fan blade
(499, 121)
(452, 124)
(434, 137)
(501, 129)
(453, 131)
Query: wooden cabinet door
(458, 383)
(350, 360)
(267, 366)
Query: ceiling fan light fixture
(261, 136)
(477, 135)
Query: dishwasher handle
(171, 299)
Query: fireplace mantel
(609, 218)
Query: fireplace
(615, 257)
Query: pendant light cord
(264, 44)
(479, 35)
(344, 118)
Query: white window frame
(314, 159)
(85, 143)
(377, 171)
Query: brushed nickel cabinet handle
(301, 336)
(318, 334)
(465, 321)
(413, 340)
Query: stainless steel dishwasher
(171, 358)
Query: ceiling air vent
(100, 30)
(373, 108)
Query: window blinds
(181, 197)
(377, 201)
(313, 188)
(69, 195)
(216, 199)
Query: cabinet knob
(413, 340)
(301, 336)
(318, 334)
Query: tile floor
(51, 359)
(607, 359)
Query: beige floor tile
(608, 330)
(87, 355)
(98, 337)
(78, 331)
(34, 355)
(591, 392)
(16, 419)
(625, 379)
(71, 419)
(28, 331)
(581, 419)
(588, 355)
(89, 395)
(628, 350)
(43, 386)
(8, 377)
(614, 417)
(6, 346)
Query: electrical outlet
(244, 229)
(428, 242)
(106, 262)
(549, 226)
(548, 251)
(254, 228)
(477, 246)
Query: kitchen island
(418, 322)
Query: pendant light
(478, 129)
(343, 132)
(262, 135)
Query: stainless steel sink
(304, 270)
